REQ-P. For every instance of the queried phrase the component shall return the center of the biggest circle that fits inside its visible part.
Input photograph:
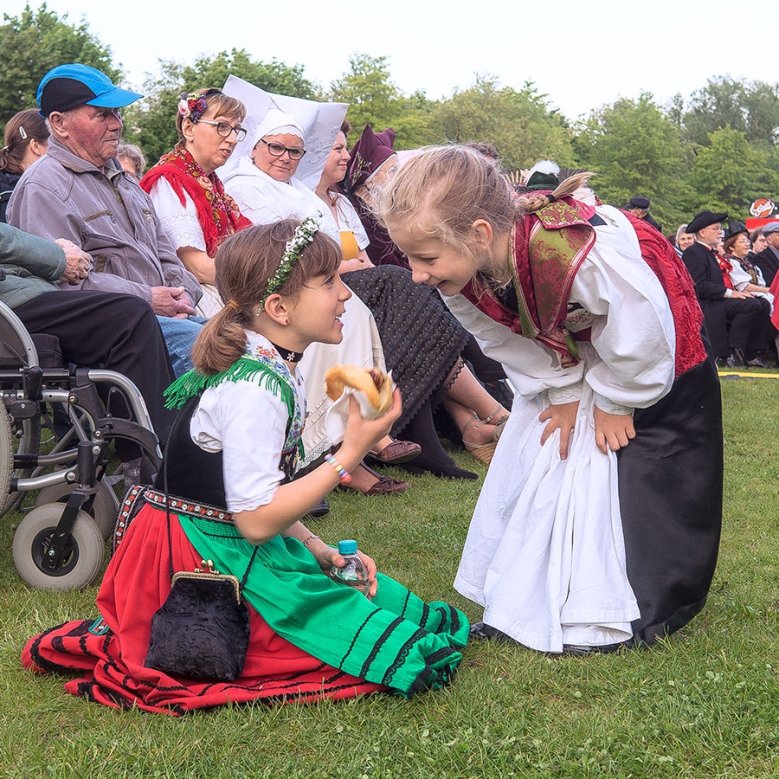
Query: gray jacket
(31, 266)
(105, 213)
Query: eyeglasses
(277, 150)
(224, 129)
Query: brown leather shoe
(397, 452)
(384, 486)
(387, 486)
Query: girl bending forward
(599, 520)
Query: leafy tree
(635, 149)
(151, 121)
(729, 173)
(371, 95)
(373, 99)
(519, 123)
(749, 108)
(35, 42)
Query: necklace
(287, 354)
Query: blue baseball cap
(73, 85)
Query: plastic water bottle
(354, 573)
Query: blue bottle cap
(347, 546)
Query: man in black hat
(639, 206)
(732, 318)
(768, 259)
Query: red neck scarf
(726, 267)
(217, 213)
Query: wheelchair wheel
(105, 506)
(6, 457)
(83, 557)
(25, 437)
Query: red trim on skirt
(107, 654)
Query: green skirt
(396, 639)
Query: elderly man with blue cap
(80, 192)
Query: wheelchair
(56, 428)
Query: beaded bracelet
(343, 475)
(311, 537)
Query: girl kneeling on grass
(234, 447)
(599, 521)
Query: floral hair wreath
(193, 105)
(301, 238)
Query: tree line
(716, 149)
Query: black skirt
(670, 494)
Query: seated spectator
(80, 192)
(132, 159)
(683, 239)
(25, 139)
(768, 259)
(95, 329)
(746, 277)
(733, 319)
(758, 243)
(372, 161)
(639, 206)
(194, 209)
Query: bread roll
(376, 385)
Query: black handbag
(202, 629)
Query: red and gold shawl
(217, 213)
(549, 246)
(548, 250)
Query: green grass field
(705, 703)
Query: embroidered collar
(260, 363)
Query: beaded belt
(138, 495)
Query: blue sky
(584, 56)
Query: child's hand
(327, 557)
(613, 431)
(561, 417)
(363, 434)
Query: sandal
(481, 451)
(384, 485)
(490, 418)
(397, 452)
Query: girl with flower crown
(191, 203)
(227, 476)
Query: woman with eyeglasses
(190, 200)
(263, 183)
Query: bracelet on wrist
(311, 537)
(343, 475)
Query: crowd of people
(228, 284)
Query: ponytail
(221, 341)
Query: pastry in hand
(375, 385)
